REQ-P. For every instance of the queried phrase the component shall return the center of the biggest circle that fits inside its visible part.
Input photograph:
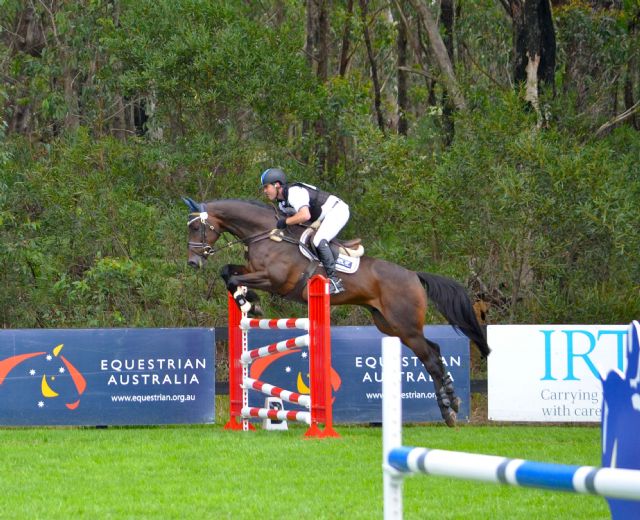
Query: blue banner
(107, 376)
(356, 375)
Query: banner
(551, 373)
(356, 375)
(106, 376)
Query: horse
(395, 296)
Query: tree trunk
(322, 55)
(309, 51)
(403, 98)
(447, 15)
(72, 117)
(317, 55)
(534, 43)
(323, 145)
(420, 50)
(27, 37)
(632, 78)
(309, 43)
(441, 55)
(372, 64)
(346, 41)
(119, 125)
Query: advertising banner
(356, 375)
(551, 373)
(106, 376)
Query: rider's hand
(282, 223)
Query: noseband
(205, 248)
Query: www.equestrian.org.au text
(405, 395)
(152, 398)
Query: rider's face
(271, 191)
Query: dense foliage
(540, 222)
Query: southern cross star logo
(47, 381)
(285, 362)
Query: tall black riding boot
(329, 263)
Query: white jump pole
(391, 426)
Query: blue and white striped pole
(391, 426)
(399, 461)
(608, 482)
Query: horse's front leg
(247, 300)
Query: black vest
(316, 198)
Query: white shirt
(298, 198)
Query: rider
(302, 203)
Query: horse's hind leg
(428, 352)
(447, 391)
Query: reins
(206, 249)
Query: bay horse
(396, 297)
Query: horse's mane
(257, 203)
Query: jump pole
(318, 340)
(392, 426)
(399, 461)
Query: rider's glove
(282, 223)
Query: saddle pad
(344, 264)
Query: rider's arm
(299, 200)
(301, 216)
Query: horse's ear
(192, 205)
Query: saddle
(346, 252)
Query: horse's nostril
(193, 263)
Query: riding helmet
(272, 175)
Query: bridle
(205, 249)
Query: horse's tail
(452, 301)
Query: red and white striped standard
(279, 415)
(283, 323)
(274, 348)
(276, 391)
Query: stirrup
(335, 286)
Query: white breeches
(335, 215)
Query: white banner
(551, 373)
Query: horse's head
(204, 231)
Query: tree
(403, 80)
(317, 55)
(448, 16)
(25, 36)
(534, 48)
(373, 67)
(441, 55)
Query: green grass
(207, 472)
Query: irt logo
(46, 374)
(577, 347)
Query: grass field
(207, 472)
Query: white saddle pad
(344, 263)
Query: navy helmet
(273, 175)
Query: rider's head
(273, 181)
(273, 175)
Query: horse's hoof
(455, 404)
(255, 312)
(451, 419)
